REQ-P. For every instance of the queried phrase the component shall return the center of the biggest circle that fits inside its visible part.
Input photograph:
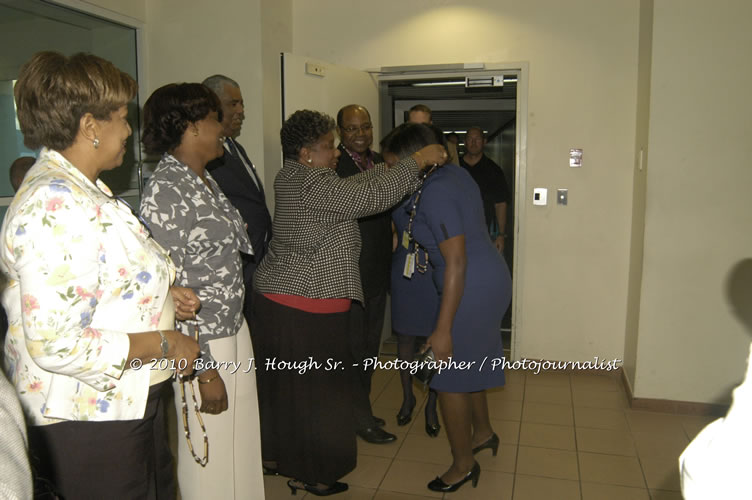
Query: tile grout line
(519, 435)
(407, 432)
(576, 444)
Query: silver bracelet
(164, 344)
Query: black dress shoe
(439, 485)
(380, 422)
(376, 435)
(404, 418)
(313, 490)
(492, 442)
(432, 429)
(268, 471)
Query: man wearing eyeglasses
(366, 320)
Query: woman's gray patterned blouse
(204, 234)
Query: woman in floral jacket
(86, 292)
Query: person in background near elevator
(18, 170)
(367, 320)
(420, 113)
(492, 184)
(239, 181)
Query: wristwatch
(164, 344)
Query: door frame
(522, 69)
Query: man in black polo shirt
(493, 186)
(367, 320)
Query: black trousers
(366, 323)
(95, 460)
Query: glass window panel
(30, 26)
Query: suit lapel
(241, 170)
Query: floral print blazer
(82, 273)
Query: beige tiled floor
(563, 436)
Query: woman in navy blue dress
(474, 288)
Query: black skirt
(304, 376)
(113, 459)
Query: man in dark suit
(238, 179)
(367, 320)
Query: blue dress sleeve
(441, 210)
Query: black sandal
(296, 485)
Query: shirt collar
(363, 161)
(56, 158)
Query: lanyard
(413, 259)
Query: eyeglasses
(363, 128)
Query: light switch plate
(539, 196)
(561, 196)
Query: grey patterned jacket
(204, 234)
(315, 245)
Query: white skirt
(234, 469)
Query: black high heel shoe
(432, 429)
(492, 442)
(331, 490)
(405, 419)
(439, 485)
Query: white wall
(698, 218)
(582, 94)
(276, 37)
(189, 41)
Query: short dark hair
(302, 129)
(169, 111)
(341, 112)
(411, 137)
(54, 92)
(475, 127)
(421, 107)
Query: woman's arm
(453, 251)
(368, 193)
(148, 346)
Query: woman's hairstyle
(54, 92)
(302, 129)
(411, 137)
(169, 111)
